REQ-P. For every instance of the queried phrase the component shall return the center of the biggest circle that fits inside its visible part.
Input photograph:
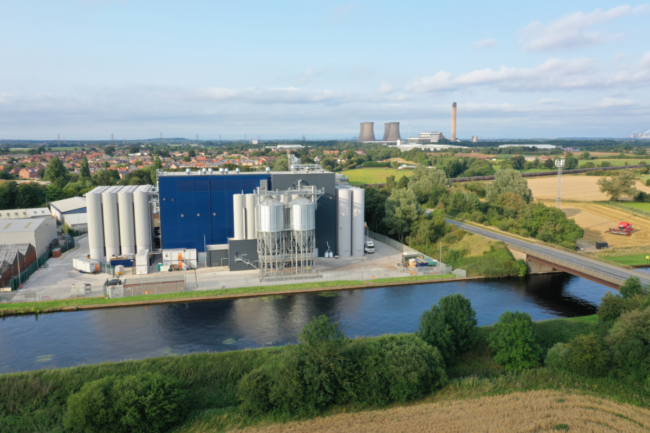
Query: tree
(429, 184)
(157, 163)
(55, 170)
(585, 355)
(570, 163)
(109, 150)
(402, 209)
(84, 171)
(515, 342)
(616, 186)
(281, 164)
(29, 195)
(106, 177)
(375, 209)
(508, 181)
(191, 153)
(629, 342)
(8, 192)
(549, 163)
(428, 230)
(631, 287)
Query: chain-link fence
(24, 275)
(72, 292)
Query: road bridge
(552, 258)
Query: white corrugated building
(38, 232)
(73, 205)
(11, 214)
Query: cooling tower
(391, 131)
(453, 122)
(367, 132)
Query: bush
(450, 326)
(647, 182)
(631, 287)
(515, 342)
(253, 392)
(140, 403)
(629, 342)
(376, 164)
(612, 306)
(584, 355)
(396, 368)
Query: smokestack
(391, 131)
(367, 132)
(453, 122)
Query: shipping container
(85, 265)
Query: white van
(369, 247)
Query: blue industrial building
(198, 210)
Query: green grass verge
(636, 205)
(36, 401)
(629, 260)
(53, 306)
(363, 176)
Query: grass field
(630, 260)
(619, 161)
(362, 176)
(642, 206)
(581, 188)
(534, 411)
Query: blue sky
(87, 68)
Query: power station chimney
(391, 131)
(367, 132)
(453, 122)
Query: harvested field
(581, 188)
(595, 219)
(535, 411)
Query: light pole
(559, 163)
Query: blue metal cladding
(197, 210)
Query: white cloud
(613, 102)
(485, 43)
(386, 88)
(574, 30)
(547, 101)
(341, 11)
(277, 95)
(309, 74)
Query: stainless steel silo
(271, 246)
(344, 221)
(302, 237)
(251, 223)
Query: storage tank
(344, 221)
(238, 205)
(270, 215)
(142, 219)
(358, 220)
(303, 214)
(127, 223)
(95, 226)
(251, 233)
(111, 227)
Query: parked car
(369, 247)
(115, 282)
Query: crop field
(596, 219)
(361, 176)
(534, 411)
(574, 187)
(642, 206)
(618, 161)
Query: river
(87, 337)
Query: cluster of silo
(350, 212)
(244, 216)
(119, 221)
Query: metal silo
(344, 221)
(127, 222)
(95, 224)
(358, 222)
(111, 227)
(271, 248)
(251, 232)
(142, 218)
(302, 238)
(238, 204)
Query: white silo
(95, 224)
(302, 239)
(271, 249)
(142, 218)
(251, 233)
(111, 227)
(238, 204)
(344, 221)
(127, 222)
(358, 222)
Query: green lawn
(629, 260)
(362, 176)
(642, 206)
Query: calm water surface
(88, 337)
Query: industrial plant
(274, 222)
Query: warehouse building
(68, 206)
(38, 232)
(39, 212)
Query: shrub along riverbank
(448, 358)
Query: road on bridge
(583, 262)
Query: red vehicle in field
(623, 228)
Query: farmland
(520, 411)
(361, 176)
(574, 187)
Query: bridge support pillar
(533, 266)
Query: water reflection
(86, 337)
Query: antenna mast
(559, 163)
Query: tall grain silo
(358, 222)
(366, 132)
(391, 131)
(271, 249)
(127, 221)
(302, 237)
(251, 233)
(238, 204)
(344, 221)
(142, 218)
(111, 222)
(95, 224)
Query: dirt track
(583, 188)
(535, 411)
(596, 219)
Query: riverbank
(67, 305)
(36, 401)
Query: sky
(86, 69)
